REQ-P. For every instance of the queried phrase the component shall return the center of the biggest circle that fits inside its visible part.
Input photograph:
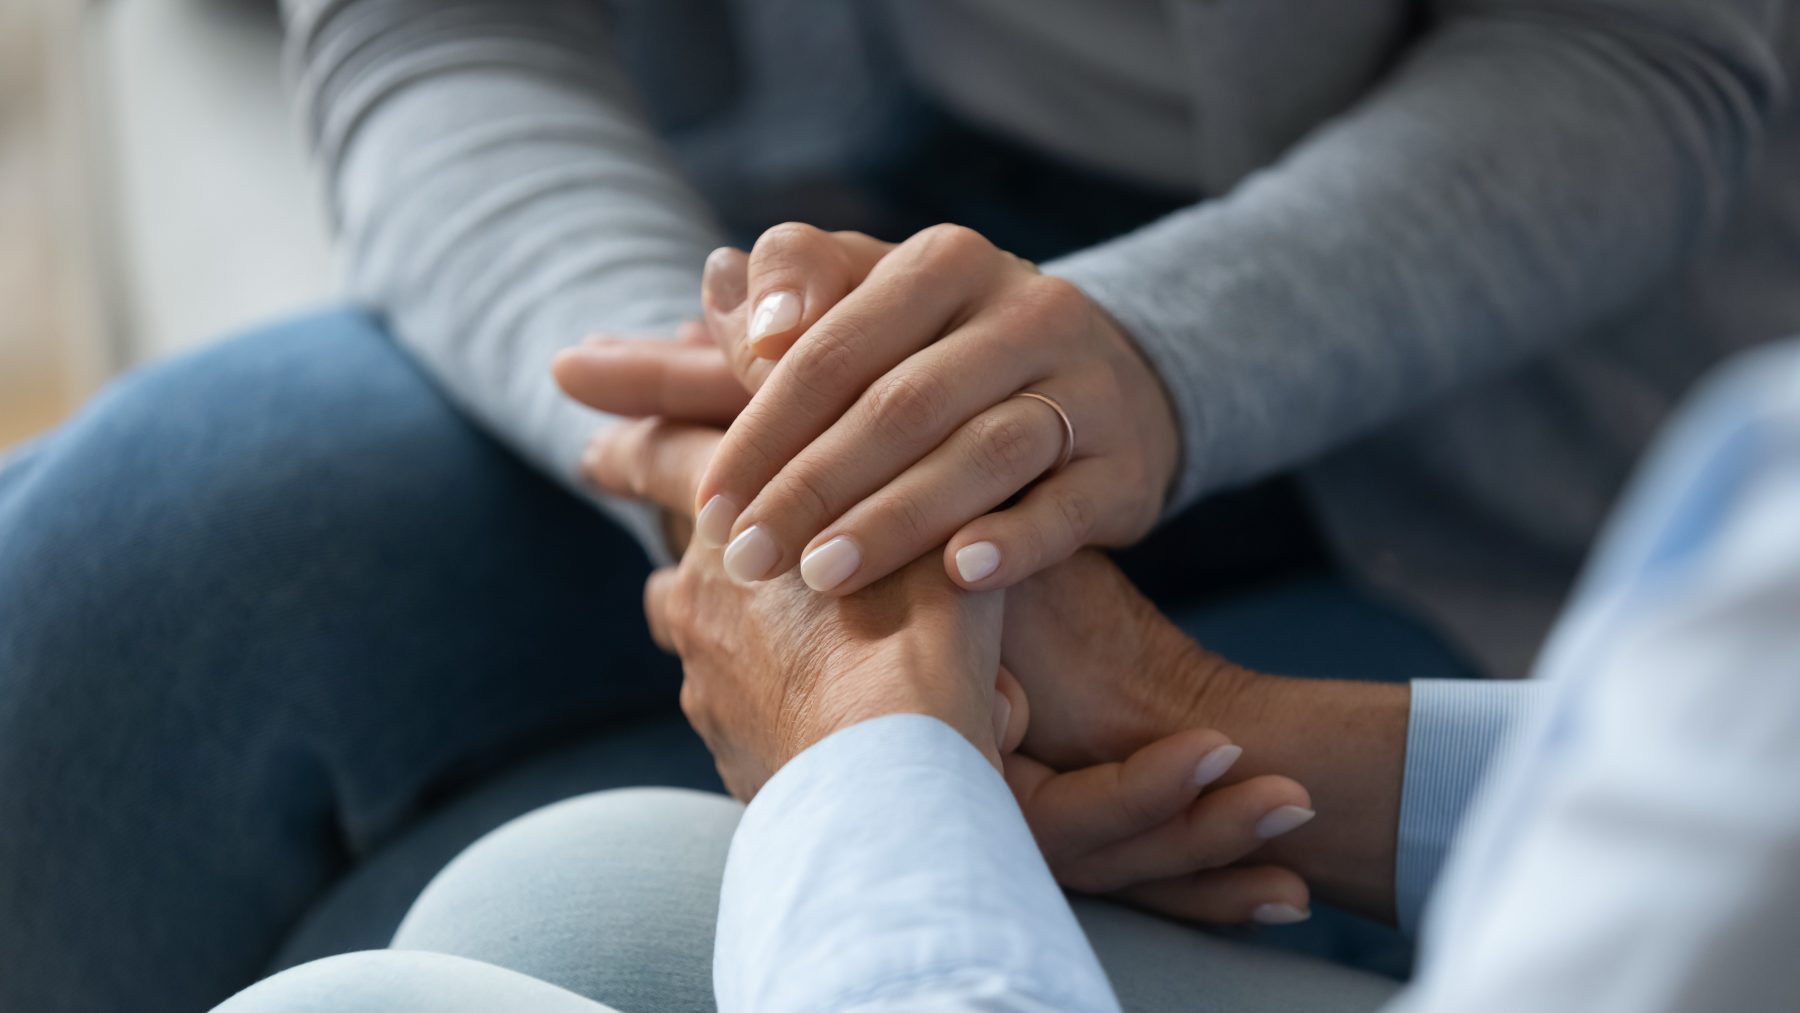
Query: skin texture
(1093, 698)
(771, 668)
(889, 425)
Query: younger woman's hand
(771, 668)
(892, 422)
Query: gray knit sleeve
(496, 197)
(1532, 167)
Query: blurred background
(153, 191)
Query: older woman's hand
(771, 668)
(893, 422)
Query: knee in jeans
(649, 841)
(387, 981)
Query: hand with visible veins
(1105, 672)
(772, 668)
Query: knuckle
(1001, 448)
(780, 244)
(908, 406)
(1057, 296)
(825, 362)
(1076, 509)
(905, 517)
(801, 492)
(952, 244)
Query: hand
(890, 425)
(771, 669)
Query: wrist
(867, 692)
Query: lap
(386, 981)
(262, 609)
(613, 896)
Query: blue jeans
(280, 634)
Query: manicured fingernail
(830, 564)
(1279, 914)
(978, 561)
(1002, 718)
(713, 525)
(1213, 765)
(778, 311)
(750, 555)
(723, 280)
(1280, 821)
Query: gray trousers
(608, 901)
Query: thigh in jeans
(259, 607)
(613, 896)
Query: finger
(724, 288)
(637, 379)
(693, 332)
(651, 460)
(1012, 711)
(982, 464)
(1217, 829)
(1056, 518)
(658, 591)
(908, 300)
(1073, 814)
(796, 274)
(1265, 894)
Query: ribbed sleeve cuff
(1456, 730)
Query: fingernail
(713, 525)
(830, 564)
(1280, 821)
(724, 279)
(778, 311)
(750, 555)
(978, 561)
(1002, 718)
(1279, 914)
(1213, 765)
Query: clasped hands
(864, 390)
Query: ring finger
(985, 461)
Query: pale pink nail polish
(1213, 765)
(1279, 914)
(1283, 819)
(713, 525)
(978, 561)
(777, 312)
(830, 564)
(751, 555)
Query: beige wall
(48, 358)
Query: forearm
(496, 196)
(1528, 170)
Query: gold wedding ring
(1068, 447)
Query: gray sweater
(1458, 261)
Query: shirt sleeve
(497, 197)
(1530, 168)
(1638, 852)
(1457, 729)
(888, 867)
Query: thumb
(1012, 712)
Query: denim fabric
(612, 897)
(281, 634)
(262, 609)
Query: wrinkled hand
(888, 427)
(763, 682)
